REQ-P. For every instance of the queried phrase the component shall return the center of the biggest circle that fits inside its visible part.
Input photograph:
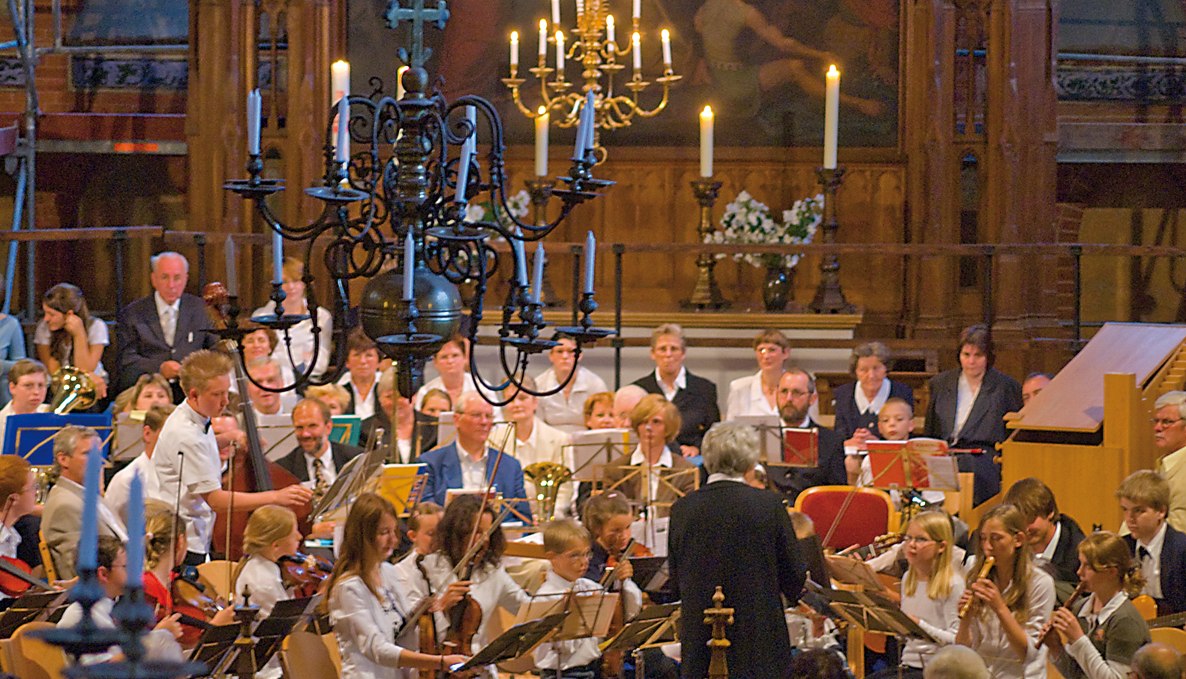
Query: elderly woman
(655, 420)
(858, 403)
(967, 408)
(694, 397)
(757, 394)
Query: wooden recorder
(984, 569)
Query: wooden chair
(32, 658)
(1171, 636)
(306, 655)
(218, 575)
(1146, 606)
(47, 559)
(869, 513)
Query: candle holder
(829, 298)
(706, 294)
(540, 191)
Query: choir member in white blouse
(757, 394)
(565, 409)
(367, 605)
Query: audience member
(858, 403)
(1159, 548)
(757, 394)
(599, 411)
(967, 407)
(157, 332)
(61, 520)
(625, 400)
(796, 395)
(118, 488)
(415, 432)
(300, 339)
(956, 662)
(452, 365)
(28, 383)
(1034, 383)
(436, 401)
(360, 379)
(149, 390)
(535, 441)
(316, 460)
(334, 396)
(1157, 661)
(264, 376)
(565, 409)
(1169, 435)
(695, 396)
(12, 349)
(1053, 537)
(67, 335)
(651, 475)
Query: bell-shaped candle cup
(343, 143)
(537, 274)
(520, 259)
(135, 546)
(409, 264)
(88, 541)
(590, 253)
(232, 273)
(254, 110)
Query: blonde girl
(931, 589)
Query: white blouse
(746, 398)
(989, 640)
(262, 578)
(366, 627)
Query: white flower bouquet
(488, 211)
(748, 221)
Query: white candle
(467, 152)
(409, 265)
(541, 142)
(343, 144)
(583, 123)
(254, 106)
(135, 547)
(340, 79)
(514, 50)
(560, 55)
(636, 44)
(277, 258)
(537, 275)
(520, 259)
(555, 12)
(665, 36)
(543, 39)
(706, 142)
(232, 273)
(590, 254)
(610, 35)
(399, 82)
(831, 116)
(637, 11)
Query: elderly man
(157, 332)
(535, 442)
(316, 460)
(1157, 661)
(61, 521)
(265, 372)
(1169, 435)
(956, 662)
(731, 535)
(469, 464)
(695, 396)
(796, 395)
(625, 399)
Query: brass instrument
(548, 478)
(73, 389)
(984, 569)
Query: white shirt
(567, 413)
(559, 655)
(681, 382)
(328, 471)
(116, 495)
(301, 335)
(262, 578)
(186, 456)
(1048, 553)
(864, 405)
(473, 473)
(364, 404)
(365, 627)
(96, 333)
(469, 384)
(158, 644)
(965, 398)
(6, 411)
(989, 640)
(1084, 651)
(638, 459)
(10, 540)
(168, 315)
(1151, 565)
(746, 398)
(938, 617)
(545, 444)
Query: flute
(984, 569)
(1079, 590)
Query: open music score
(800, 448)
(921, 463)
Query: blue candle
(590, 253)
(88, 542)
(136, 533)
(409, 262)
(537, 275)
(254, 110)
(520, 259)
(277, 258)
(591, 128)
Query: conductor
(740, 538)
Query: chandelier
(398, 176)
(595, 50)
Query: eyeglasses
(915, 539)
(579, 556)
(797, 393)
(1161, 421)
(769, 350)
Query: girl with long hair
(1099, 638)
(366, 603)
(1008, 605)
(68, 335)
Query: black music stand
(870, 612)
(214, 646)
(651, 628)
(514, 642)
(285, 617)
(31, 607)
(650, 573)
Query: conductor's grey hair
(730, 448)
(955, 662)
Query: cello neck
(255, 453)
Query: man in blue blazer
(468, 463)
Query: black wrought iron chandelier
(394, 213)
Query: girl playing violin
(488, 585)
(1099, 640)
(608, 517)
(164, 548)
(1009, 604)
(366, 603)
(270, 534)
(422, 530)
(18, 495)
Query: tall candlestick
(636, 51)
(254, 109)
(831, 116)
(610, 35)
(665, 37)
(543, 40)
(88, 541)
(399, 82)
(409, 264)
(339, 79)
(555, 12)
(706, 142)
(637, 11)
(514, 50)
(342, 146)
(135, 546)
(560, 55)
(537, 275)
(277, 258)
(590, 254)
(541, 142)
(520, 259)
(232, 274)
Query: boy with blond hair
(1160, 550)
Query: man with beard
(796, 394)
(316, 460)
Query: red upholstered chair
(869, 512)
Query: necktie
(1143, 553)
(169, 325)
(318, 478)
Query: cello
(251, 472)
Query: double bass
(251, 472)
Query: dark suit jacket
(1173, 570)
(999, 394)
(425, 430)
(697, 406)
(353, 395)
(1066, 552)
(830, 472)
(741, 539)
(444, 472)
(141, 341)
(295, 461)
(849, 419)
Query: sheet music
(277, 435)
(652, 533)
(129, 440)
(592, 449)
(770, 432)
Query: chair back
(1146, 606)
(864, 514)
(47, 559)
(33, 658)
(1171, 636)
(306, 655)
(218, 575)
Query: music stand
(769, 428)
(800, 448)
(870, 612)
(346, 429)
(650, 573)
(278, 432)
(917, 464)
(587, 614)
(350, 481)
(652, 627)
(513, 643)
(31, 607)
(594, 448)
(128, 442)
(402, 485)
(214, 646)
(31, 436)
(285, 617)
(851, 571)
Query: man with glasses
(796, 394)
(1169, 435)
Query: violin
(303, 574)
(194, 605)
(426, 622)
(16, 577)
(612, 661)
